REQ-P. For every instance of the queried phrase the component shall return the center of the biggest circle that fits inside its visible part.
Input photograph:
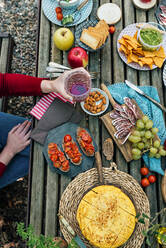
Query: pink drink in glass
(78, 84)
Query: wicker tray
(84, 182)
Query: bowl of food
(68, 4)
(96, 103)
(151, 36)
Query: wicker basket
(86, 181)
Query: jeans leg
(18, 167)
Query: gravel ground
(19, 18)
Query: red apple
(77, 57)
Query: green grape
(157, 155)
(149, 124)
(136, 133)
(145, 118)
(153, 150)
(152, 136)
(156, 143)
(136, 157)
(134, 139)
(161, 147)
(147, 145)
(144, 140)
(142, 133)
(151, 155)
(148, 134)
(140, 124)
(134, 145)
(136, 151)
(141, 145)
(155, 130)
(162, 152)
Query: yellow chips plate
(134, 53)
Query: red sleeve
(2, 168)
(19, 85)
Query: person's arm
(18, 139)
(23, 85)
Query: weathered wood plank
(52, 191)
(119, 76)
(36, 210)
(156, 81)
(144, 79)
(106, 75)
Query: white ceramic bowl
(68, 5)
(106, 105)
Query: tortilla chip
(134, 58)
(158, 61)
(149, 54)
(160, 52)
(129, 60)
(122, 41)
(123, 49)
(151, 66)
(147, 61)
(140, 63)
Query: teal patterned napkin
(121, 90)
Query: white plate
(106, 105)
(130, 30)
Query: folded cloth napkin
(42, 105)
(58, 113)
(121, 90)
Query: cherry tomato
(144, 171)
(65, 165)
(76, 160)
(145, 182)
(111, 29)
(67, 138)
(59, 16)
(152, 179)
(58, 10)
(57, 164)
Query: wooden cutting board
(107, 120)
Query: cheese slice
(106, 217)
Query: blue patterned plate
(49, 6)
(78, 33)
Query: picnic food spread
(106, 216)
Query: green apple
(63, 39)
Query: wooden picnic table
(46, 187)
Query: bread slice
(98, 34)
(89, 39)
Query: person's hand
(57, 85)
(18, 137)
